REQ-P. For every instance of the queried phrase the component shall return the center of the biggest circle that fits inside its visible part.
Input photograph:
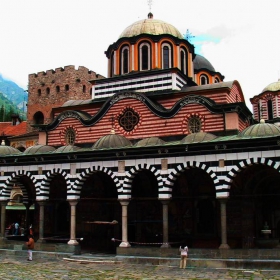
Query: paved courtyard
(20, 268)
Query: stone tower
(53, 88)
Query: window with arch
(57, 89)
(129, 119)
(204, 80)
(124, 60)
(217, 80)
(84, 89)
(48, 90)
(66, 87)
(270, 109)
(70, 136)
(112, 63)
(194, 124)
(39, 92)
(166, 56)
(183, 61)
(38, 118)
(259, 111)
(145, 56)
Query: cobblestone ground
(18, 269)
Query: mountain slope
(15, 94)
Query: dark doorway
(99, 214)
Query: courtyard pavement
(18, 268)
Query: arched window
(124, 60)
(217, 80)
(39, 92)
(38, 118)
(166, 56)
(145, 56)
(48, 90)
(204, 80)
(269, 109)
(70, 136)
(57, 89)
(183, 61)
(259, 111)
(112, 65)
(84, 89)
(66, 87)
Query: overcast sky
(241, 38)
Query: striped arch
(246, 163)
(126, 190)
(77, 184)
(43, 185)
(172, 177)
(14, 179)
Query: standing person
(184, 255)
(30, 246)
(31, 230)
(16, 228)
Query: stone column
(73, 240)
(224, 244)
(41, 221)
(125, 243)
(3, 218)
(165, 223)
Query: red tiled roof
(8, 129)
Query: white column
(73, 240)
(125, 243)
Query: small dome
(111, 141)
(38, 149)
(272, 87)
(201, 62)
(7, 150)
(261, 129)
(151, 26)
(198, 137)
(66, 149)
(152, 141)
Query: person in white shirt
(184, 256)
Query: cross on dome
(150, 3)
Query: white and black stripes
(246, 163)
(221, 177)
(135, 170)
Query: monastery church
(161, 152)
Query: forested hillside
(7, 109)
(13, 99)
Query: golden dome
(272, 87)
(150, 26)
